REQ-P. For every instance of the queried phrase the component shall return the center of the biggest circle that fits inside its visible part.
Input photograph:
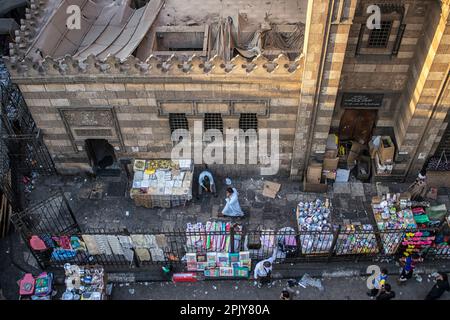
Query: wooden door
(357, 125)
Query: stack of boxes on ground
(382, 151)
(84, 283)
(162, 183)
(209, 250)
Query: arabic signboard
(362, 100)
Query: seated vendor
(206, 183)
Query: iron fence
(122, 250)
(54, 223)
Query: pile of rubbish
(306, 281)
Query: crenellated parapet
(29, 27)
(174, 66)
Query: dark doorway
(357, 125)
(102, 157)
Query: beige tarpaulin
(107, 28)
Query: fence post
(232, 232)
(333, 244)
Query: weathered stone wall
(140, 131)
(378, 70)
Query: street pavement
(348, 288)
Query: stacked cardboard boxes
(331, 159)
(384, 156)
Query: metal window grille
(248, 121)
(213, 121)
(178, 121)
(379, 38)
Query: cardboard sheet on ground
(271, 189)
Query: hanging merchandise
(393, 213)
(213, 236)
(61, 248)
(314, 224)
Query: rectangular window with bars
(248, 121)
(379, 38)
(213, 121)
(178, 121)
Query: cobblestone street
(350, 201)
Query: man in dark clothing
(439, 288)
(386, 293)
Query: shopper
(418, 189)
(386, 293)
(285, 295)
(378, 282)
(206, 183)
(263, 272)
(232, 207)
(439, 288)
(409, 263)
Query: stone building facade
(133, 103)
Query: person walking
(439, 288)
(378, 283)
(232, 207)
(409, 264)
(206, 184)
(386, 293)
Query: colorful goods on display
(146, 247)
(36, 288)
(314, 224)
(212, 236)
(63, 248)
(417, 242)
(84, 283)
(162, 183)
(220, 264)
(356, 239)
(393, 212)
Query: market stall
(356, 238)
(85, 283)
(315, 227)
(394, 217)
(214, 249)
(162, 183)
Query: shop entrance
(357, 125)
(102, 157)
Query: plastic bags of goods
(314, 224)
(84, 283)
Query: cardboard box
(315, 187)
(330, 164)
(314, 173)
(330, 154)
(354, 152)
(329, 174)
(386, 151)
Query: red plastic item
(37, 244)
(26, 285)
(184, 277)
